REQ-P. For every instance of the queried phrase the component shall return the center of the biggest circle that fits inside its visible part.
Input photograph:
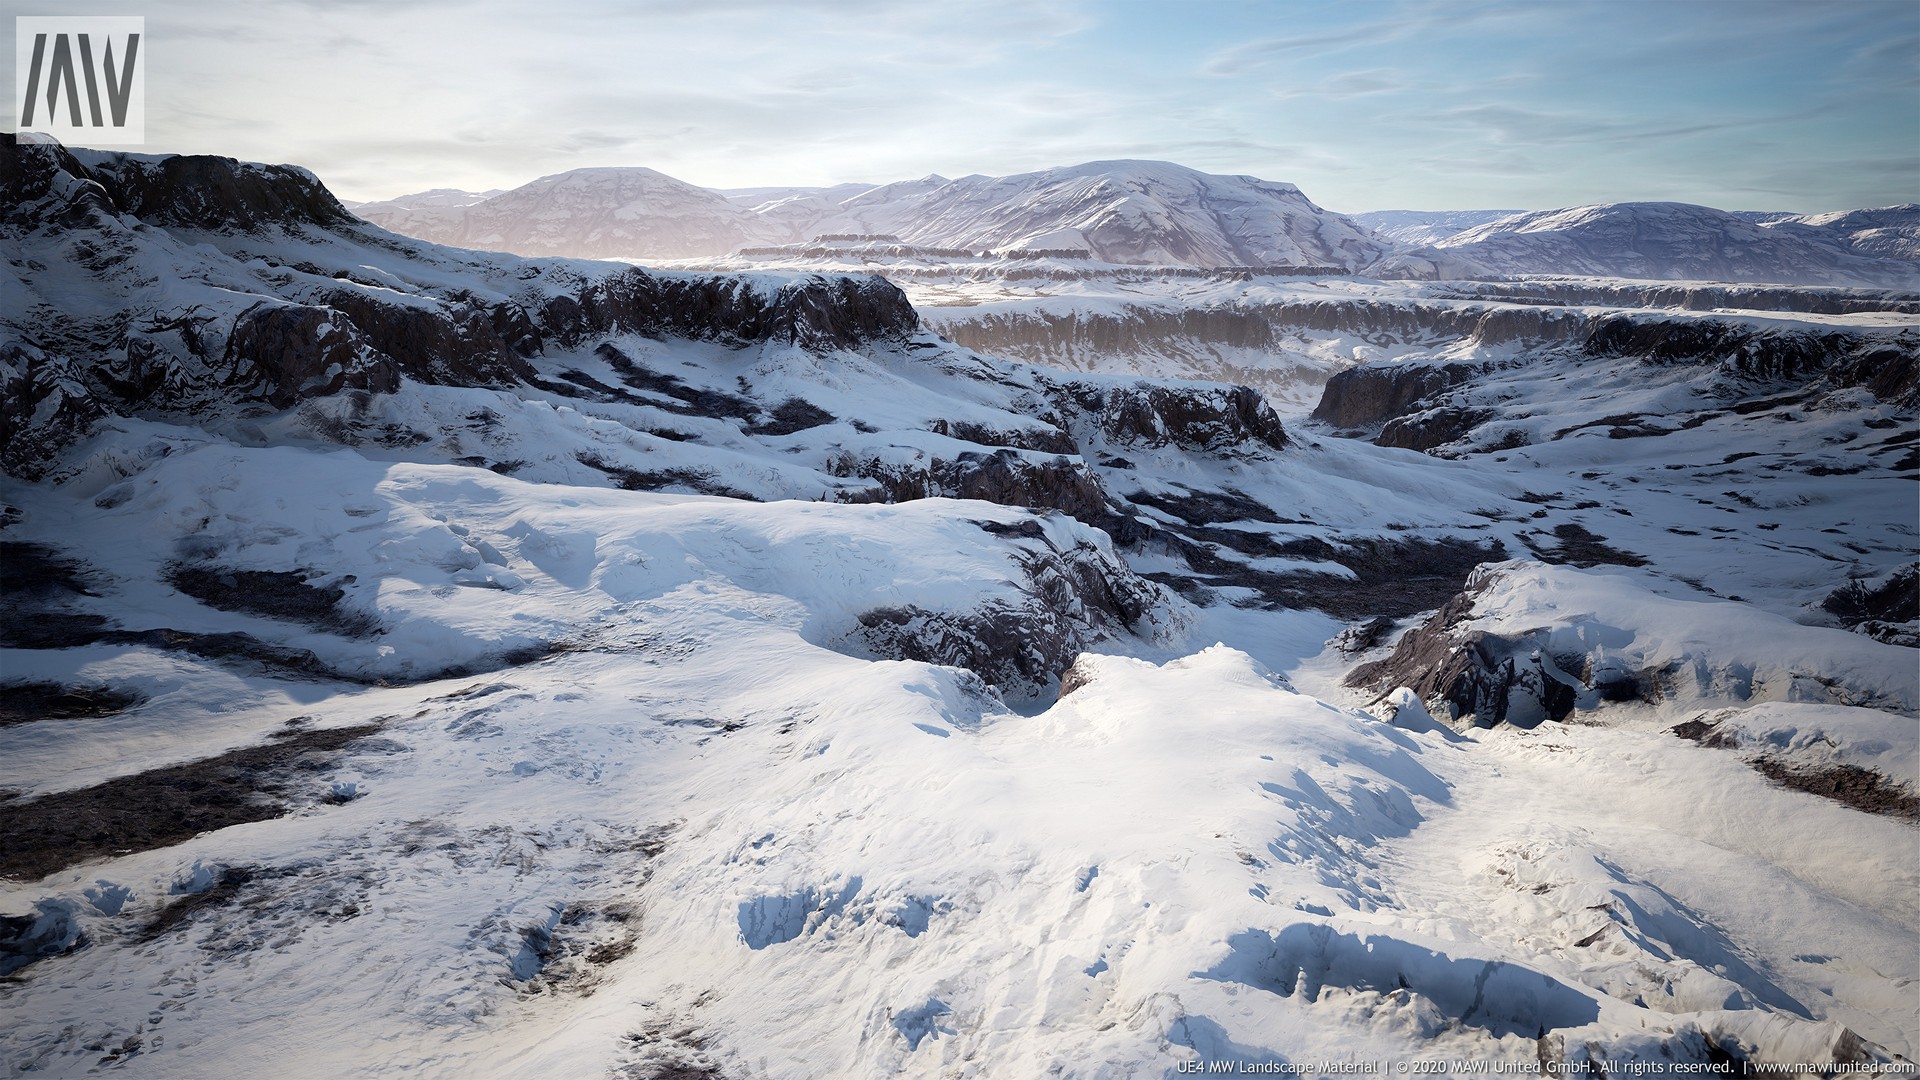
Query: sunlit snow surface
(669, 816)
(800, 860)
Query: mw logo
(80, 78)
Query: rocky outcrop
(1409, 400)
(1890, 372)
(1471, 676)
(1432, 428)
(814, 312)
(284, 354)
(1886, 608)
(1072, 598)
(1690, 296)
(1361, 397)
(1004, 476)
(44, 405)
(191, 191)
(282, 334)
(1192, 416)
(1058, 337)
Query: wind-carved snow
(584, 770)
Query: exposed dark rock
(1890, 372)
(454, 343)
(1859, 788)
(1579, 547)
(1886, 608)
(1006, 477)
(1207, 507)
(1046, 440)
(285, 595)
(50, 931)
(26, 702)
(1862, 789)
(1362, 636)
(698, 481)
(1471, 675)
(1391, 577)
(285, 354)
(1042, 335)
(814, 312)
(223, 889)
(683, 399)
(37, 589)
(1192, 416)
(1434, 427)
(1072, 599)
(216, 193)
(791, 415)
(1823, 300)
(162, 806)
(44, 406)
(1370, 394)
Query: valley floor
(706, 835)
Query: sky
(1808, 106)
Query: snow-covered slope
(1888, 232)
(1420, 228)
(1666, 241)
(420, 661)
(1117, 211)
(586, 213)
(1124, 212)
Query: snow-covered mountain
(1888, 232)
(1671, 241)
(585, 213)
(1116, 211)
(1420, 228)
(541, 667)
(1148, 212)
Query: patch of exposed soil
(1862, 789)
(696, 480)
(1394, 578)
(287, 595)
(1581, 548)
(23, 703)
(1859, 788)
(162, 806)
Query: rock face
(1472, 677)
(1421, 404)
(1885, 609)
(1372, 394)
(1003, 476)
(1072, 597)
(1196, 416)
(280, 334)
(813, 312)
(200, 192)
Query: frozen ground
(385, 731)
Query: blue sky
(1366, 105)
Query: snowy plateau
(1108, 622)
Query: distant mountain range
(1162, 214)
(1115, 211)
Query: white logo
(81, 80)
